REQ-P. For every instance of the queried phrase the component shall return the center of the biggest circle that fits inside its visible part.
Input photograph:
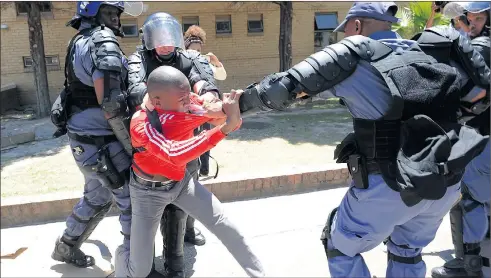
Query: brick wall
(247, 58)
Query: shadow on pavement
(189, 260)
(319, 127)
(41, 148)
(446, 255)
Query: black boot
(204, 159)
(172, 226)
(469, 266)
(67, 251)
(193, 235)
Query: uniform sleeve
(82, 63)
(179, 152)
(205, 73)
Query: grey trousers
(193, 198)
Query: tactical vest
(150, 62)
(81, 96)
(417, 145)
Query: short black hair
(166, 77)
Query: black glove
(273, 92)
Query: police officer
(406, 172)
(475, 13)
(163, 44)
(469, 218)
(92, 110)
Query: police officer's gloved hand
(275, 91)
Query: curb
(17, 139)
(28, 212)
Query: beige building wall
(246, 57)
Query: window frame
(218, 20)
(130, 23)
(331, 32)
(184, 29)
(255, 30)
(49, 66)
(50, 11)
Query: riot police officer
(469, 218)
(405, 170)
(475, 13)
(163, 44)
(92, 110)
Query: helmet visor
(133, 8)
(454, 9)
(162, 31)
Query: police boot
(173, 226)
(193, 235)
(468, 266)
(68, 251)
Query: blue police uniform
(98, 133)
(366, 217)
(470, 217)
(402, 185)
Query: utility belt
(104, 167)
(163, 182)
(420, 164)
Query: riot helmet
(106, 13)
(476, 13)
(162, 34)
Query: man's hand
(147, 103)
(212, 105)
(434, 8)
(214, 110)
(231, 108)
(208, 97)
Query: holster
(357, 167)
(106, 171)
(347, 152)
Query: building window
(52, 63)
(130, 28)
(188, 21)
(255, 23)
(45, 7)
(324, 25)
(223, 24)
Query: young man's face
(109, 16)
(174, 99)
(476, 22)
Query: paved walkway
(283, 230)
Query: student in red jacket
(159, 175)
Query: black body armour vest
(150, 62)
(418, 146)
(81, 96)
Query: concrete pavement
(283, 230)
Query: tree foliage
(414, 18)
